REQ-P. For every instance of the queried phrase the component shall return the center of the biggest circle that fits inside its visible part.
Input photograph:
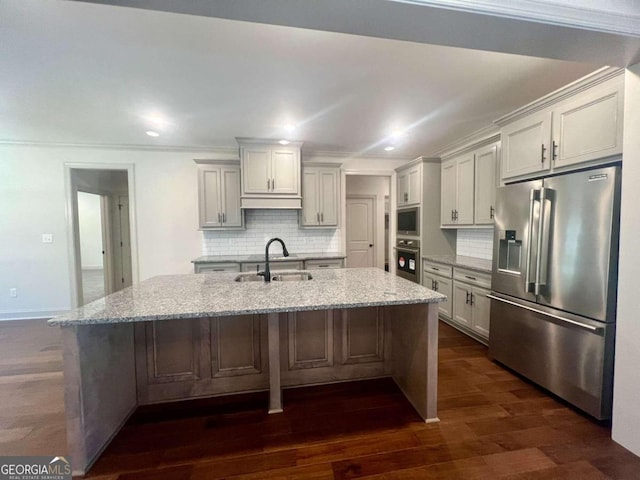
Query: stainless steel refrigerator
(554, 282)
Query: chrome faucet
(267, 272)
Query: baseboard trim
(30, 315)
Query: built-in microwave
(408, 221)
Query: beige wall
(626, 391)
(33, 201)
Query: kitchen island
(187, 336)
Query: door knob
(371, 245)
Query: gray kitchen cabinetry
(330, 263)
(270, 174)
(580, 123)
(273, 266)
(216, 267)
(320, 196)
(471, 307)
(457, 179)
(409, 186)
(438, 278)
(219, 195)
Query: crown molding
(479, 138)
(588, 81)
(267, 141)
(231, 151)
(549, 12)
(347, 155)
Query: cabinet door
(209, 197)
(465, 186)
(256, 170)
(444, 287)
(428, 280)
(403, 189)
(485, 187)
(481, 312)
(230, 193)
(328, 197)
(414, 192)
(310, 197)
(284, 172)
(525, 145)
(448, 192)
(462, 312)
(590, 126)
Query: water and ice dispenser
(510, 252)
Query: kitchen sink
(275, 277)
(291, 277)
(249, 277)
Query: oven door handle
(410, 250)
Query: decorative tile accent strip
(475, 243)
(265, 224)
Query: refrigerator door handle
(527, 274)
(538, 283)
(596, 330)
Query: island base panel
(415, 355)
(275, 389)
(100, 388)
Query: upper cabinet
(457, 176)
(579, 123)
(219, 195)
(486, 161)
(320, 196)
(270, 174)
(468, 180)
(409, 186)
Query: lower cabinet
(467, 307)
(216, 267)
(187, 358)
(330, 263)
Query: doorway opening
(367, 232)
(101, 233)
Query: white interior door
(360, 232)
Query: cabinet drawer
(471, 277)
(216, 267)
(437, 268)
(333, 263)
(273, 266)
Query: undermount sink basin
(291, 277)
(275, 277)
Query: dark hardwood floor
(493, 425)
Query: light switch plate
(47, 238)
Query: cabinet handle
(323, 266)
(451, 214)
(273, 184)
(492, 212)
(436, 269)
(472, 301)
(317, 217)
(455, 214)
(433, 284)
(219, 218)
(224, 217)
(542, 157)
(554, 150)
(437, 286)
(268, 184)
(470, 277)
(322, 217)
(467, 300)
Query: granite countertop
(217, 294)
(472, 263)
(259, 257)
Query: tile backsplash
(475, 243)
(261, 225)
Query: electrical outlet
(13, 292)
(47, 238)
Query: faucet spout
(267, 270)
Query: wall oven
(408, 259)
(408, 221)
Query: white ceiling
(73, 72)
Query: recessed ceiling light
(283, 142)
(157, 120)
(151, 133)
(289, 127)
(388, 149)
(397, 133)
